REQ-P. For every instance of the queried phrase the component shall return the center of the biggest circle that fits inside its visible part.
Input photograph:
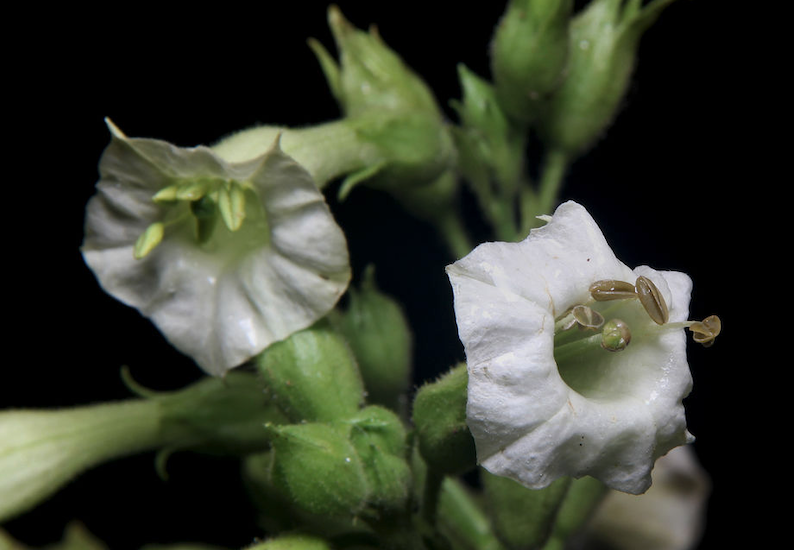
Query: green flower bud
(378, 333)
(440, 418)
(603, 47)
(277, 513)
(292, 542)
(370, 76)
(523, 518)
(529, 54)
(389, 108)
(317, 468)
(312, 375)
(379, 439)
(491, 148)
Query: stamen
(705, 331)
(652, 300)
(615, 336)
(610, 289)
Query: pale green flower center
(598, 345)
(585, 353)
(210, 212)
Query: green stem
(430, 497)
(555, 165)
(462, 520)
(526, 210)
(454, 234)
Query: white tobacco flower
(224, 257)
(556, 391)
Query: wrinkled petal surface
(609, 415)
(223, 301)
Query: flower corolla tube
(577, 363)
(225, 258)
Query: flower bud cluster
(334, 457)
(568, 74)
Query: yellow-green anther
(192, 190)
(652, 300)
(587, 317)
(610, 289)
(231, 203)
(166, 194)
(148, 240)
(615, 336)
(705, 331)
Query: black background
(668, 186)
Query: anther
(610, 289)
(652, 300)
(148, 240)
(587, 317)
(166, 194)
(615, 336)
(705, 331)
(193, 190)
(231, 203)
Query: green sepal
(414, 148)
(357, 177)
(277, 513)
(317, 468)
(439, 415)
(377, 330)
(522, 518)
(529, 52)
(312, 375)
(218, 416)
(380, 441)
